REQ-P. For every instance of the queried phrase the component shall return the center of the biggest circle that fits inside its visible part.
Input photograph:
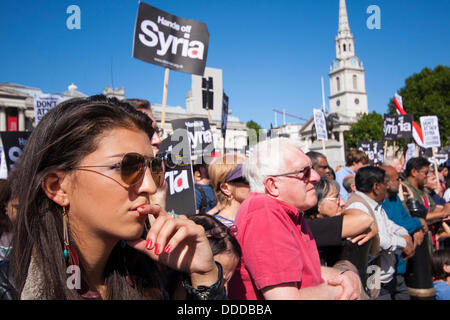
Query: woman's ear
(319, 207)
(271, 187)
(446, 268)
(225, 188)
(55, 187)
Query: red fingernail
(167, 249)
(142, 207)
(157, 249)
(149, 244)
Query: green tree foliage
(368, 128)
(253, 128)
(428, 93)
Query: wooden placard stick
(163, 110)
(385, 150)
(436, 169)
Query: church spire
(344, 27)
(344, 40)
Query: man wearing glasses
(280, 258)
(417, 170)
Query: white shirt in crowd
(390, 233)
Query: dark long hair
(64, 136)
(221, 240)
(5, 195)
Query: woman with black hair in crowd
(224, 245)
(83, 182)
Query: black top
(328, 235)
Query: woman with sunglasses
(83, 182)
(230, 186)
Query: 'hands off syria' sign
(169, 41)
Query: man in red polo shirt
(279, 254)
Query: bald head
(394, 181)
(394, 162)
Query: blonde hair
(218, 171)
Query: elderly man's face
(296, 189)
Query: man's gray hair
(265, 159)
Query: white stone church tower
(348, 95)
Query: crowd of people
(83, 218)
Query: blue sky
(272, 53)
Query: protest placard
(410, 152)
(180, 197)
(224, 116)
(3, 168)
(320, 124)
(373, 149)
(440, 155)
(199, 133)
(397, 127)
(169, 41)
(13, 143)
(43, 103)
(430, 129)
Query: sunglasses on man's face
(295, 174)
(132, 168)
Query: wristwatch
(213, 292)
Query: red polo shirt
(277, 247)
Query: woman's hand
(365, 236)
(180, 244)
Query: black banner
(199, 133)
(180, 197)
(224, 115)
(441, 155)
(373, 149)
(397, 127)
(13, 144)
(169, 41)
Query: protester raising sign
(430, 128)
(397, 127)
(373, 149)
(180, 197)
(169, 41)
(199, 133)
(13, 144)
(43, 103)
(320, 124)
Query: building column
(21, 119)
(2, 119)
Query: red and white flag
(417, 130)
